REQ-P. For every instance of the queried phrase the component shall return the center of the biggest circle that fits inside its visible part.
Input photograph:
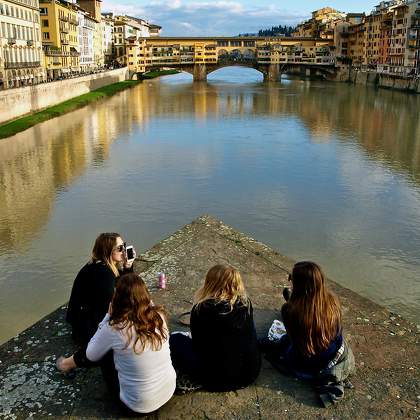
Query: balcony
(52, 52)
(30, 43)
(22, 65)
(11, 41)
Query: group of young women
(118, 327)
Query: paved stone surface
(386, 346)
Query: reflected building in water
(384, 122)
(44, 160)
(40, 162)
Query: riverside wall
(372, 78)
(24, 100)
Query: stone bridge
(201, 56)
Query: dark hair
(102, 250)
(132, 308)
(313, 313)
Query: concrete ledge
(386, 346)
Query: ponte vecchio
(203, 55)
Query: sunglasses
(120, 248)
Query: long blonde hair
(222, 283)
(102, 250)
(313, 313)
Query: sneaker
(185, 384)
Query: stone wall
(383, 80)
(20, 101)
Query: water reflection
(319, 170)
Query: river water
(321, 171)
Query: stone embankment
(24, 100)
(386, 346)
(375, 79)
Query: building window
(45, 23)
(43, 11)
(46, 35)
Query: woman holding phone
(92, 292)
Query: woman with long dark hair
(222, 353)
(136, 330)
(313, 346)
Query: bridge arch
(212, 69)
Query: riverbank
(376, 79)
(385, 345)
(13, 127)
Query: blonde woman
(222, 352)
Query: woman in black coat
(92, 293)
(222, 352)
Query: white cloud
(205, 18)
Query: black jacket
(226, 343)
(89, 300)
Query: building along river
(321, 171)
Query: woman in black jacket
(92, 293)
(222, 352)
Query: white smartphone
(130, 253)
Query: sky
(225, 17)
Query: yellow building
(21, 57)
(356, 45)
(321, 25)
(60, 38)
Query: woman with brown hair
(313, 345)
(222, 352)
(136, 331)
(92, 292)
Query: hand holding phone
(130, 253)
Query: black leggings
(182, 354)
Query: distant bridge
(201, 56)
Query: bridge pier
(200, 73)
(272, 74)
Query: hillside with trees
(280, 30)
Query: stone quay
(386, 347)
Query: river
(321, 171)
